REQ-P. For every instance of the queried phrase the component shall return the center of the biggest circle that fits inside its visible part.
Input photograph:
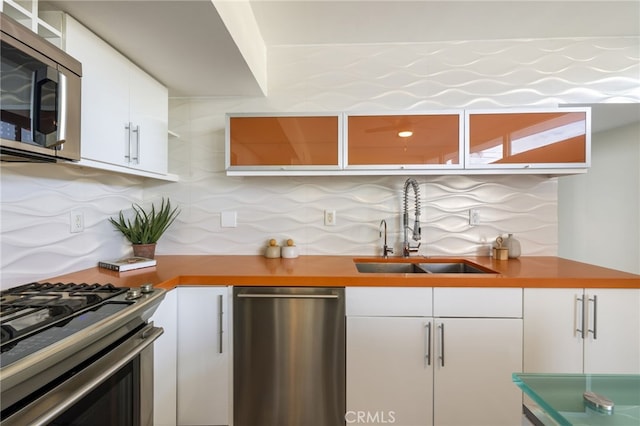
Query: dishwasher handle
(286, 296)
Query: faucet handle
(386, 250)
(408, 249)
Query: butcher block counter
(341, 271)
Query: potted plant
(147, 227)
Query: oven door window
(114, 402)
(29, 99)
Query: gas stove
(48, 329)
(47, 310)
(26, 309)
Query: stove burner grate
(28, 308)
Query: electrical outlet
(76, 222)
(329, 218)
(474, 217)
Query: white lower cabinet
(165, 361)
(411, 368)
(389, 380)
(204, 358)
(555, 343)
(388, 377)
(474, 361)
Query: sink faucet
(385, 248)
(407, 249)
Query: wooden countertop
(338, 271)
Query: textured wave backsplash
(285, 208)
(37, 199)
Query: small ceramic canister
(272, 250)
(289, 251)
(513, 246)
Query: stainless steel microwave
(40, 98)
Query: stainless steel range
(77, 354)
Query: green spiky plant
(147, 226)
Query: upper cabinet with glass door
(419, 141)
(528, 139)
(283, 142)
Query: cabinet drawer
(477, 302)
(389, 301)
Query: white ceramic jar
(513, 246)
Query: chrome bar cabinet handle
(287, 296)
(220, 318)
(136, 159)
(595, 316)
(441, 327)
(427, 344)
(583, 316)
(127, 155)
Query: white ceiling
(376, 21)
(185, 45)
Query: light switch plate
(474, 217)
(228, 219)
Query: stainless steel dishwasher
(289, 356)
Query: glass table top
(561, 397)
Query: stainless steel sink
(452, 268)
(390, 268)
(416, 266)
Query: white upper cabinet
(124, 110)
(148, 112)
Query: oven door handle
(46, 408)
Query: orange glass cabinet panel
(536, 139)
(431, 139)
(283, 141)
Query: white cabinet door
(552, 343)
(149, 117)
(105, 95)
(389, 378)
(165, 361)
(124, 110)
(203, 356)
(614, 316)
(474, 360)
